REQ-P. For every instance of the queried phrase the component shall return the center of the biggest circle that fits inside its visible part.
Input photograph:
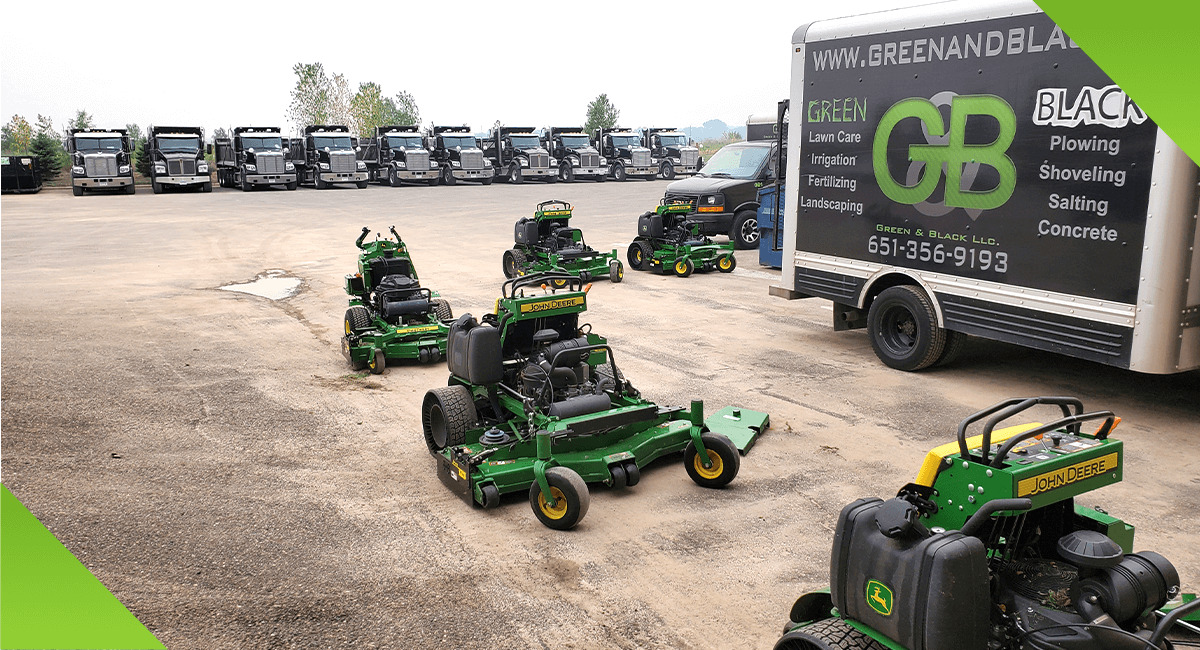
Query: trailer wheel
(667, 171)
(513, 262)
(566, 173)
(744, 233)
(441, 309)
(570, 495)
(684, 267)
(726, 263)
(616, 271)
(514, 173)
(618, 172)
(377, 363)
(638, 254)
(724, 461)
(903, 329)
(829, 634)
(446, 414)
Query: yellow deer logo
(879, 597)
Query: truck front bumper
(630, 170)
(183, 180)
(111, 181)
(537, 172)
(343, 177)
(417, 175)
(471, 174)
(591, 171)
(270, 179)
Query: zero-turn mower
(537, 404)
(988, 550)
(391, 316)
(546, 243)
(667, 241)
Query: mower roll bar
(1004, 410)
(1072, 421)
(509, 288)
(566, 206)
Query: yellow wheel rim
(680, 267)
(559, 510)
(709, 472)
(725, 263)
(637, 255)
(558, 284)
(371, 362)
(347, 326)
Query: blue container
(770, 226)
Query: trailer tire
(724, 459)
(442, 310)
(570, 493)
(638, 254)
(514, 173)
(667, 171)
(446, 414)
(448, 176)
(618, 172)
(513, 261)
(744, 233)
(829, 634)
(566, 173)
(903, 329)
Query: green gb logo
(952, 155)
(879, 597)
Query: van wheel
(744, 233)
(903, 329)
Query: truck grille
(342, 162)
(539, 160)
(641, 159)
(417, 160)
(100, 165)
(270, 163)
(589, 159)
(181, 167)
(471, 159)
(689, 156)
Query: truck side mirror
(208, 149)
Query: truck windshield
(576, 141)
(626, 141)
(332, 141)
(525, 141)
(736, 161)
(262, 144)
(404, 141)
(464, 141)
(98, 144)
(171, 144)
(673, 140)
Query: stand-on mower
(391, 316)
(987, 550)
(545, 243)
(536, 403)
(668, 241)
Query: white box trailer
(964, 168)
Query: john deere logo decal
(546, 305)
(879, 597)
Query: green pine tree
(601, 114)
(50, 154)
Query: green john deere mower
(537, 404)
(391, 316)
(667, 241)
(988, 550)
(546, 243)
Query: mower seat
(473, 351)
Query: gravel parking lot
(212, 459)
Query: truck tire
(446, 414)
(744, 233)
(903, 329)
(955, 341)
(393, 180)
(600, 178)
(566, 173)
(155, 186)
(448, 176)
(618, 172)
(318, 183)
(292, 185)
(131, 188)
(362, 185)
(829, 634)
(206, 187)
(246, 187)
(514, 173)
(76, 190)
(667, 171)
(551, 178)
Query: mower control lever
(394, 233)
(990, 508)
(358, 242)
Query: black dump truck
(177, 158)
(672, 151)
(516, 153)
(576, 156)
(724, 193)
(100, 159)
(327, 155)
(397, 154)
(457, 155)
(21, 175)
(255, 156)
(625, 153)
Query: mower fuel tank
(651, 225)
(526, 231)
(473, 351)
(921, 591)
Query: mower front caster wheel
(684, 267)
(726, 263)
(616, 271)
(723, 458)
(571, 499)
(377, 363)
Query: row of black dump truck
(328, 154)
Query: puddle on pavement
(273, 284)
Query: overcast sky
(525, 63)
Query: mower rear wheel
(616, 271)
(446, 414)
(726, 263)
(638, 254)
(684, 267)
(903, 329)
(632, 474)
(377, 363)
(442, 310)
(513, 261)
(571, 499)
(723, 457)
(829, 634)
(358, 319)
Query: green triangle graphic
(1149, 49)
(48, 599)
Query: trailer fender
(892, 277)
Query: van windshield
(736, 161)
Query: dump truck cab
(177, 158)
(100, 159)
(458, 155)
(625, 153)
(255, 156)
(516, 153)
(397, 154)
(327, 155)
(576, 155)
(672, 151)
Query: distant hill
(712, 129)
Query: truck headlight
(554, 162)
(524, 162)
(487, 162)
(603, 161)
(124, 169)
(455, 164)
(160, 169)
(202, 168)
(325, 166)
(251, 168)
(361, 165)
(77, 170)
(289, 166)
(400, 164)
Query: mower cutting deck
(391, 316)
(545, 243)
(668, 241)
(536, 403)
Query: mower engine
(557, 376)
(400, 300)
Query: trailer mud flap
(456, 476)
(740, 425)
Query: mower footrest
(740, 425)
